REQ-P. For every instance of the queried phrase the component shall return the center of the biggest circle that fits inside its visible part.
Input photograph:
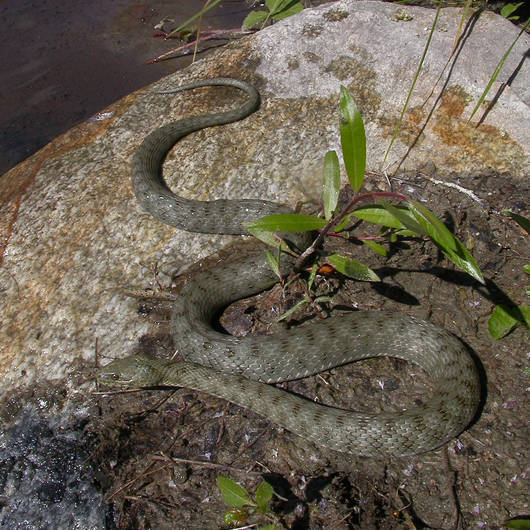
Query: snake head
(135, 371)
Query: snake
(243, 370)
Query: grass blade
(496, 72)
(197, 15)
(416, 76)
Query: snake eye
(115, 377)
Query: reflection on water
(62, 62)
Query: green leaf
(277, 6)
(503, 319)
(375, 247)
(287, 9)
(272, 5)
(526, 268)
(322, 299)
(288, 222)
(508, 9)
(353, 268)
(519, 523)
(312, 276)
(353, 139)
(435, 228)
(270, 239)
(270, 526)
(380, 215)
(404, 218)
(525, 312)
(524, 222)
(403, 233)
(264, 494)
(254, 20)
(346, 221)
(274, 263)
(234, 494)
(331, 183)
(446, 241)
(293, 309)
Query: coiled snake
(237, 369)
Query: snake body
(238, 369)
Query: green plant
(207, 7)
(276, 10)
(508, 10)
(408, 219)
(242, 506)
(505, 318)
(411, 90)
(497, 70)
(518, 523)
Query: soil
(158, 460)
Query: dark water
(62, 61)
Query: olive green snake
(241, 369)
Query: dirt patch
(159, 461)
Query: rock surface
(74, 238)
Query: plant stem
(335, 220)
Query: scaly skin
(237, 369)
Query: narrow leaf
(524, 222)
(411, 90)
(273, 263)
(508, 9)
(270, 239)
(446, 241)
(254, 19)
(197, 15)
(405, 219)
(331, 183)
(289, 222)
(292, 9)
(503, 319)
(525, 312)
(376, 247)
(346, 221)
(501, 322)
(353, 139)
(380, 215)
(312, 276)
(496, 72)
(234, 494)
(403, 233)
(518, 523)
(322, 299)
(353, 268)
(293, 309)
(273, 5)
(436, 229)
(264, 494)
